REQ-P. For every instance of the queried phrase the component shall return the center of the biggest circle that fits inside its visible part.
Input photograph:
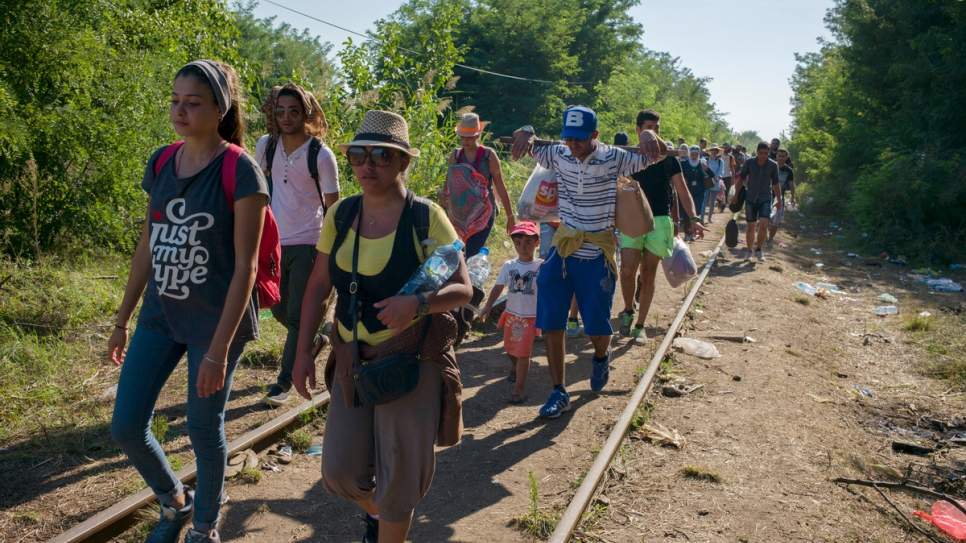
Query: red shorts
(518, 334)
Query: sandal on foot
(518, 398)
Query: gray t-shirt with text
(191, 231)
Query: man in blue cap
(582, 259)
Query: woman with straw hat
(369, 248)
(485, 162)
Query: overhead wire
(464, 66)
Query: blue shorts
(589, 280)
(757, 210)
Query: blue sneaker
(573, 328)
(172, 521)
(600, 373)
(194, 536)
(558, 402)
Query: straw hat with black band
(382, 129)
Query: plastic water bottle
(886, 310)
(479, 268)
(806, 288)
(827, 286)
(435, 270)
(955, 287)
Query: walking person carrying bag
(379, 440)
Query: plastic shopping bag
(679, 268)
(538, 202)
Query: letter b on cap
(574, 118)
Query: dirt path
(775, 420)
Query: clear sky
(750, 87)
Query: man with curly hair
(303, 179)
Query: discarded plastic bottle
(886, 298)
(827, 286)
(806, 288)
(955, 287)
(886, 310)
(696, 348)
(479, 268)
(435, 270)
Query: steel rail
(585, 493)
(123, 509)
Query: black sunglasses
(293, 112)
(570, 139)
(380, 156)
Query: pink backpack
(267, 275)
(468, 196)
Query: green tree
(82, 101)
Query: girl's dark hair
(232, 125)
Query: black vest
(403, 262)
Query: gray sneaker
(277, 396)
(172, 521)
(748, 255)
(759, 255)
(194, 536)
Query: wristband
(207, 359)
(119, 327)
(695, 219)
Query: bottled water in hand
(479, 268)
(435, 270)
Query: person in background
(761, 175)
(304, 180)
(786, 178)
(728, 175)
(486, 164)
(695, 171)
(703, 147)
(381, 457)
(518, 321)
(773, 152)
(717, 167)
(205, 307)
(681, 142)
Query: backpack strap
(166, 154)
(314, 147)
(420, 207)
(347, 211)
(270, 147)
(229, 169)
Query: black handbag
(390, 378)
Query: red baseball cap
(527, 228)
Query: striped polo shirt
(587, 191)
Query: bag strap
(343, 219)
(229, 170)
(166, 154)
(269, 159)
(354, 291)
(420, 211)
(314, 147)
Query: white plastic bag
(538, 202)
(679, 268)
(696, 348)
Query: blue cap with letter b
(579, 122)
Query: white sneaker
(748, 255)
(759, 255)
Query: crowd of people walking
(226, 233)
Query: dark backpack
(313, 157)
(348, 210)
(268, 274)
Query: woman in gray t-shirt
(195, 264)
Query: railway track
(119, 517)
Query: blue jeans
(546, 239)
(151, 357)
(478, 240)
(709, 198)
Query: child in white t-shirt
(519, 318)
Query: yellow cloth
(567, 240)
(374, 255)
